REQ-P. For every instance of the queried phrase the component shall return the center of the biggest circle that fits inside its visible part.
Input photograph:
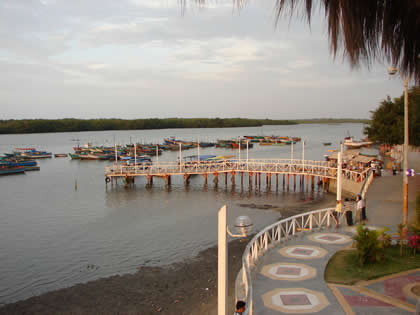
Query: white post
(247, 142)
(222, 263)
(198, 149)
(180, 156)
(239, 158)
(339, 183)
(291, 153)
(303, 153)
(115, 149)
(135, 155)
(157, 156)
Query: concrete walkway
(289, 278)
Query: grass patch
(343, 267)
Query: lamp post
(244, 225)
(392, 71)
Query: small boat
(326, 143)
(32, 168)
(60, 155)
(7, 170)
(349, 142)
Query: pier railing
(272, 166)
(282, 231)
(274, 234)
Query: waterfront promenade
(289, 277)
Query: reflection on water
(53, 235)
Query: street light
(243, 225)
(392, 71)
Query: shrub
(369, 248)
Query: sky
(149, 58)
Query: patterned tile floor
(290, 280)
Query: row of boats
(21, 160)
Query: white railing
(280, 166)
(367, 183)
(276, 233)
(282, 230)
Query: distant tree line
(387, 123)
(13, 126)
(71, 124)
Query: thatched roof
(368, 30)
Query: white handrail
(276, 233)
(280, 230)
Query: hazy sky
(143, 58)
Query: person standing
(359, 207)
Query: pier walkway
(307, 169)
(284, 264)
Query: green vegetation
(71, 124)
(331, 121)
(387, 124)
(370, 245)
(343, 267)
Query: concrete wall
(350, 188)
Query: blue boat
(19, 163)
(5, 170)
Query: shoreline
(188, 287)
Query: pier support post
(232, 178)
(283, 180)
(187, 179)
(216, 178)
(226, 178)
(149, 180)
(313, 182)
(242, 178)
(205, 179)
(288, 176)
(294, 182)
(259, 180)
(307, 182)
(268, 181)
(250, 180)
(277, 181)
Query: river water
(53, 235)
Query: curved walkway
(289, 278)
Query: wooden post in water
(313, 182)
(205, 179)
(216, 178)
(250, 180)
(232, 177)
(277, 181)
(187, 179)
(242, 178)
(294, 182)
(288, 176)
(226, 178)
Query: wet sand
(189, 287)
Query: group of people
(360, 210)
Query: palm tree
(365, 30)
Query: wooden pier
(303, 171)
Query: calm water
(53, 236)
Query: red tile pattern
(355, 300)
(295, 299)
(393, 287)
(302, 251)
(293, 271)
